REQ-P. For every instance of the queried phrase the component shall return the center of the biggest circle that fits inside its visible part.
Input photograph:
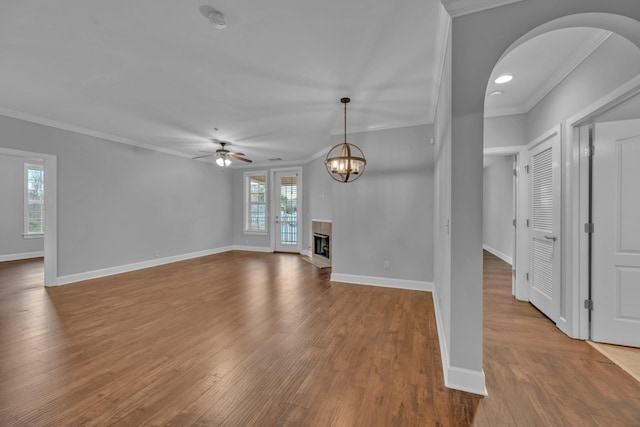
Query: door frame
(576, 205)
(275, 207)
(50, 209)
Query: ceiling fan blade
(234, 156)
(237, 154)
(206, 155)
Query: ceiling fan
(223, 155)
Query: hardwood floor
(240, 339)
(628, 358)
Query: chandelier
(345, 162)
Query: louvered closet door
(544, 266)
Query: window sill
(256, 233)
(33, 236)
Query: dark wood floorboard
(249, 339)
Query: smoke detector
(214, 16)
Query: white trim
(458, 8)
(306, 252)
(252, 248)
(87, 275)
(504, 111)
(466, 380)
(50, 209)
(456, 378)
(84, 131)
(506, 258)
(24, 255)
(441, 40)
(245, 201)
(385, 282)
(299, 206)
(385, 126)
(33, 236)
(578, 57)
(556, 130)
(503, 151)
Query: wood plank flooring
(628, 358)
(250, 339)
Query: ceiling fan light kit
(345, 162)
(224, 156)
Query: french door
(286, 219)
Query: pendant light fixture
(345, 162)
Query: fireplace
(321, 245)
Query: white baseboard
(25, 255)
(71, 278)
(383, 281)
(306, 252)
(251, 248)
(454, 377)
(506, 258)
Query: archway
(478, 42)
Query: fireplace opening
(321, 245)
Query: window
(33, 199)
(255, 196)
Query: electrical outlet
(386, 265)
(156, 253)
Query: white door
(544, 244)
(616, 237)
(286, 229)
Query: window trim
(246, 204)
(30, 165)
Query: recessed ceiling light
(503, 79)
(496, 93)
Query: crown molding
(84, 131)
(584, 51)
(457, 8)
(386, 126)
(506, 111)
(442, 38)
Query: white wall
(120, 204)
(12, 244)
(442, 211)
(478, 41)
(498, 231)
(505, 131)
(615, 62)
(318, 198)
(387, 214)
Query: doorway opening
(48, 165)
(557, 104)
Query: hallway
(536, 375)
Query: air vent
(275, 159)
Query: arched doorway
(478, 43)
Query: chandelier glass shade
(223, 162)
(345, 162)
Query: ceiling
(158, 74)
